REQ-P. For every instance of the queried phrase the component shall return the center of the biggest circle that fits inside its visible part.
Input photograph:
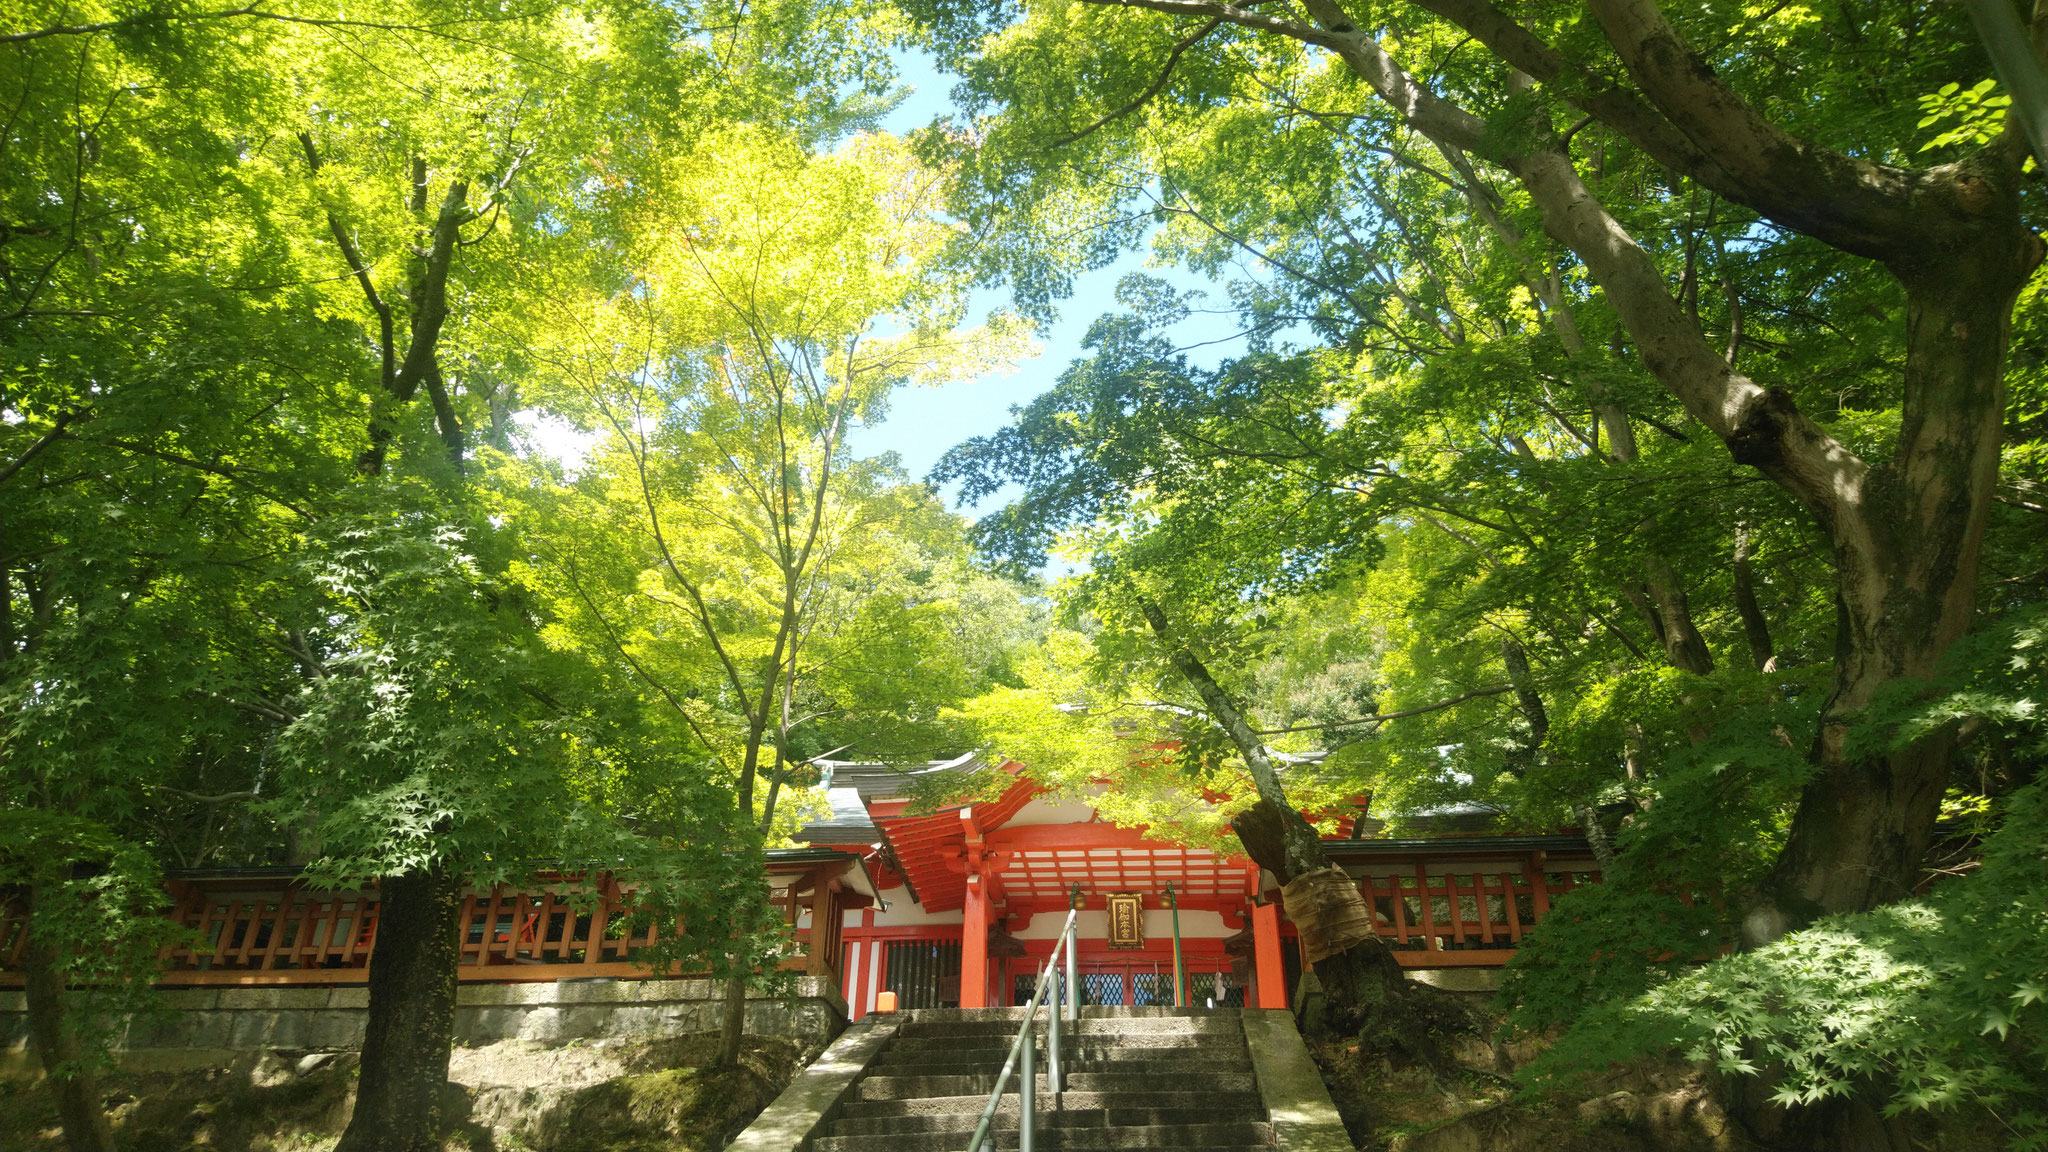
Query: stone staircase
(1176, 1078)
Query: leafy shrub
(1716, 815)
(97, 903)
(1942, 1002)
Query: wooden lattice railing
(282, 933)
(1465, 916)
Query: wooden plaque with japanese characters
(1126, 920)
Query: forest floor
(662, 1096)
(657, 1096)
(1651, 1105)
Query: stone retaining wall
(209, 1027)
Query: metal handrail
(1024, 1050)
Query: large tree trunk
(413, 967)
(73, 1085)
(1362, 984)
(1906, 531)
(1365, 993)
(412, 1016)
(1906, 562)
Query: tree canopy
(1619, 416)
(1646, 403)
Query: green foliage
(414, 739)
(95, 903)
(782, 598)
(217, 642)
(1978, 114)
(1935, 1002)
(1938, 1002)
(1439, 448)
(1729, 752)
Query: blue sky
(924, 422)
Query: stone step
(1138, 1078)
(1167, 1075)
(1135, 1080)
(1048, 1118)
(1088, 1012)
(1247, 1103)
(1096, 1034)
(1184, 1137)
(1210, 1051)
(1086, 1026)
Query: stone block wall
(210, 1027)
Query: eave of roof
(923, 843)
(775, 856)
(865, 883)
(832, 832)
(1409, 846)
(874, 779)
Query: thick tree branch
(1689, 120)
(1180, 48)
(1621, 109)
(1755, 628)
(1855, 205)
(1383, 717)
(1302, 850)
(1431, 114)
(430, 293)
(1762, 427)
(44, 441)
(444, 416)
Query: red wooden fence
(1462, 919)
(282, 933)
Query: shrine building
(953, 907)
(967, 900)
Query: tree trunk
(1755, 628)
(1365, 993)
(1362, 984)
(412, 1016)
(1906, 531)
(732, 1028)
(74, 1086)
(1515, 658)
(1684, 647)
(1906, 560)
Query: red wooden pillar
(858, 961)
(1270, 973)
(974, 945)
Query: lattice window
(1102, 988)
(924, 973)
(1152, 988)
(1214, 990)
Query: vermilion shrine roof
(1033, 864)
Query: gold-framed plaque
(1126, 920)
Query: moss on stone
(667, 1101)
(695, 1109)
(228, 1110)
